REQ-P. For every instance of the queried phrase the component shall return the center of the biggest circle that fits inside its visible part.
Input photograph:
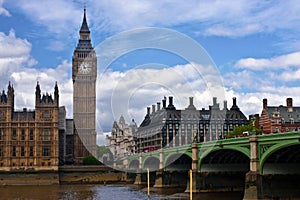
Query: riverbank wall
(29, 178)
(64, 175)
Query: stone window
(46, 151)
(1, 151)
(22, 151)
(14, 151)
(31, 151)
(1, 134)
(46, 114)
(46, 135)
(14, 134)
(31, 134)
(23, 134)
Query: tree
(239, 130)
(90, 160)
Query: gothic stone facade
(121, 142)
(84, 75)
(29, 139)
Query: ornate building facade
(121, 141)
(84, 75)
(275, 119)
(29, 138)
(169, 127)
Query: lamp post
(253, 119)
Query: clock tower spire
(84, 75)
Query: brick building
(281, 118)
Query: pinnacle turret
(84, 27)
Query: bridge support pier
(140, 179)
(252, 179)
(195, 174)
(252, 186)
(159, 182)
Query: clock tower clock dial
(84, 68)
(84, 75)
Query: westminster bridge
(263, 166)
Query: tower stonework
(29, 138)
(84, 75)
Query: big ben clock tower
(84, 75)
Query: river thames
(89, 192)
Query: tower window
(1, 151)
(46, 135)
(1, 134)
(14, 134)
(23, 134)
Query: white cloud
(59, 16)
(3, 11)
(222, 18)
(25, 80)
(279, 62)
(130, 92)
(14, 53)
(101, 138)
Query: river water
(91, 192)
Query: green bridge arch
(273, 149)
(149, 157)
(206, 152)
(187, 153)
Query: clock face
(84, 68)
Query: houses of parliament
(43, 139)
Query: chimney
(164, 103)
(153, 108)
(289, 104)
(191, 101)
(265, 103)
(158, 106)
(225, 105)
(170, 101)
(148, 110)
(234, 101)
(214, 101)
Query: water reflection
(91, 192)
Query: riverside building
(167, 126)
(275, 119)
(121, 141)
(29, 138)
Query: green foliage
(90, 160)
(101, 150)
(239, 130)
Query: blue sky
(255, 46)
